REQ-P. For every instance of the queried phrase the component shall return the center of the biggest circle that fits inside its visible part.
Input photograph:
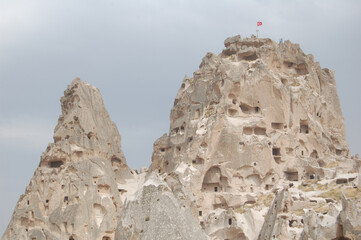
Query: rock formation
(155, 213)
(258, 117)
(270, 219)
(74, 193)
(83, 180)
(256, 150)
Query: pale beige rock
(155, 213)
(255, 119)
(75, 192)
(321, 227)
(270, 220)
(83, 179)
(227, 224)
(350, 218)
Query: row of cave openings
(293, 175)
(58, 162)
(214, 181)
(276, 153)
(276, 126)
(66, 200)
(247, 109)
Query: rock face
(155, 213)
(83, 180)
(74, 193)
(258, 117)
(256, 150)
(350, 218)
(270, 220)
(256, 100)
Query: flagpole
(259, 23)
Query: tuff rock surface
(74, 191)
(257, 119)
(256, 150)
(144, 216)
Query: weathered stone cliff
(74, 191)
(82, 182)
(254, 119)
(256, 150)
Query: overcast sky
(137, 53)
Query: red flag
(259, 24)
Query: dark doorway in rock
(56, 164)
(276, 151)
(291, 175)
(304, 127)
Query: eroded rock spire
(75, 191)
(256, 150)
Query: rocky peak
(85, 121)
(84, 126)
(81, 182)
(256, 118)
(267, 93)
(256, 150)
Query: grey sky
(137, 53)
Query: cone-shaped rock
(74, 193)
